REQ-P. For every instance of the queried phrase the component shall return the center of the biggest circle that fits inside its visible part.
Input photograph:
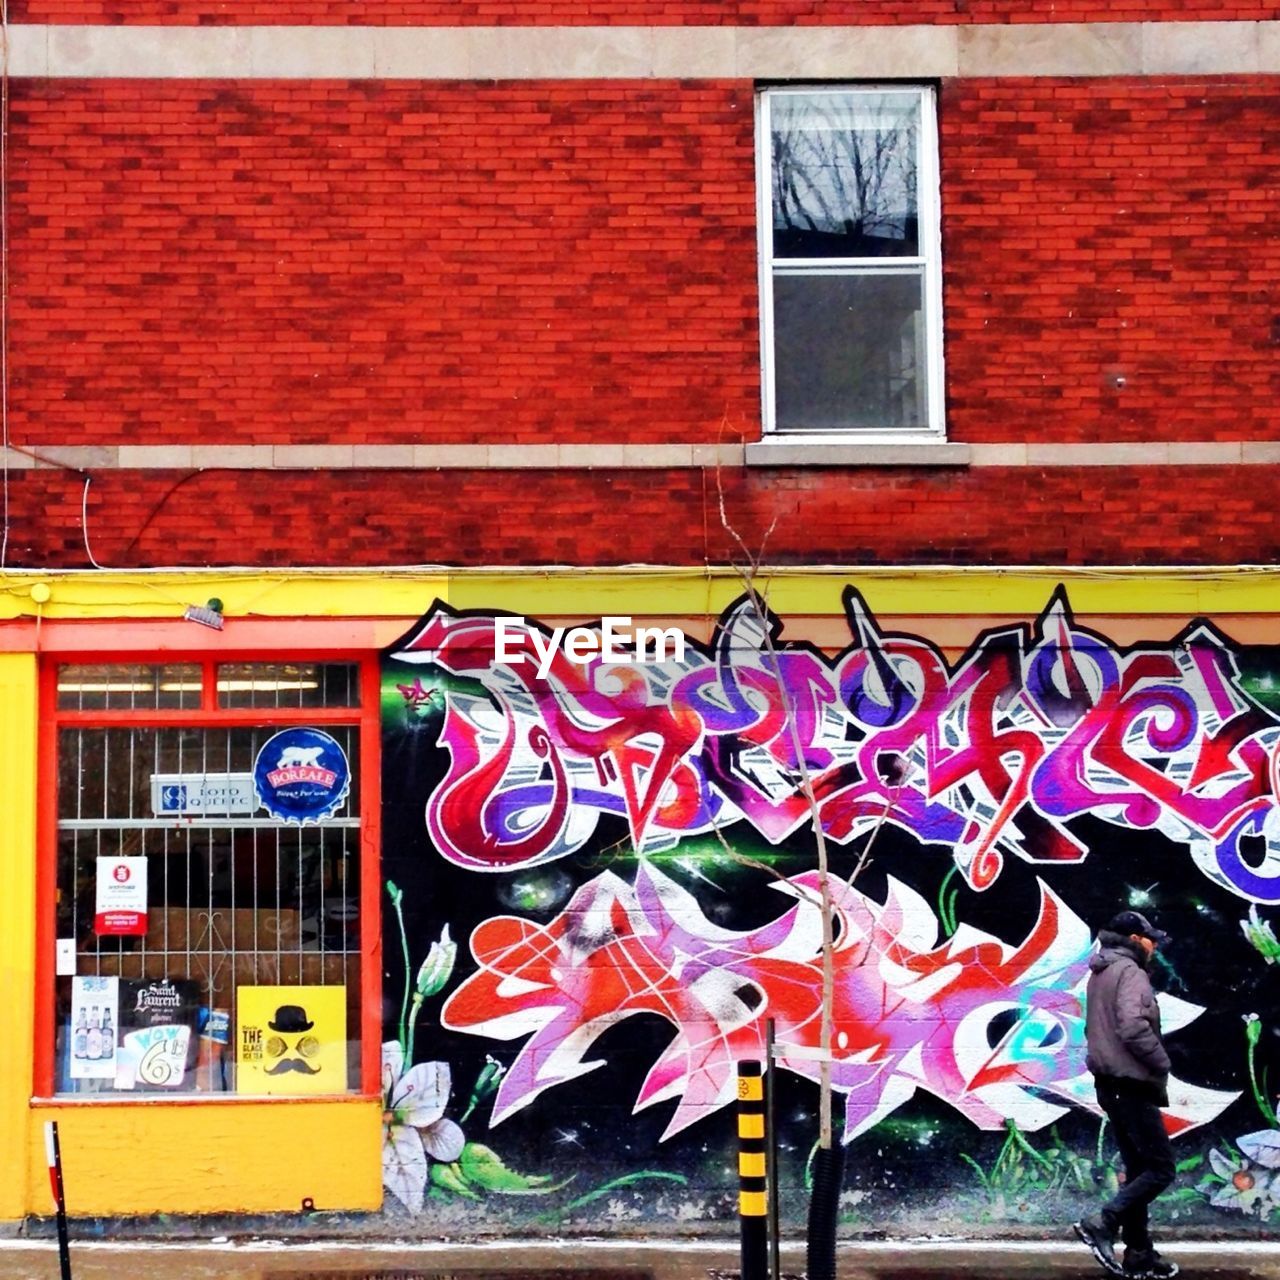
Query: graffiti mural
(624, 853)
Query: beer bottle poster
(291, 1040)
(95, 1017)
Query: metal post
(771, 1151)
(53, 1154)
(752, 1173)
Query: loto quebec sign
(199, 794)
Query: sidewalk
(592, 1260)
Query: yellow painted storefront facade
(257, 1155)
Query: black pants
(1146, 1151)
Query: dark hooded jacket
(1122, 1020)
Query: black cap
(1131, 922)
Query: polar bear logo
(300, 758)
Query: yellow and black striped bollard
(752, 1180)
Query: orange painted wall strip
(175, 639)
(45, 855)
(370, 879)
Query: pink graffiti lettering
(995, 1031)
(1035, 726)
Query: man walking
(1131, 1074)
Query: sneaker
(1147, 1264)
(1101, 1243)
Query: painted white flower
(414, 1129)
(1261, 936)
(1249, 1182)
(1262, 1147)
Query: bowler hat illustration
(290, 1018)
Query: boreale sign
(302, 775)
(121, 898)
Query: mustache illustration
(292, 1064)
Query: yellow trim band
(751, 1164)
(750, 1089)
(751, 1126)
(652, 592)
(752, 1204)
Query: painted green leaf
(626, 1180)
(450, 1177)
(483, 1167)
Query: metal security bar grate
(233, 899)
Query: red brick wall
(1104, 230)
(334, 262)
(1087, 515)
(628, 12)
(323, 262)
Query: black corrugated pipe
(824, 1205)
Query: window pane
(120, 686)
(849, 352)
(288, 684)
(844, 175)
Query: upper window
(851, 290)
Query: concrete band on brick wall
(560, 53)
(628, 457)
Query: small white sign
(197, 794)
(64, 961)
(121, 899)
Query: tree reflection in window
(845, 175)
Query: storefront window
(208, 882)
(128, 687)
(309, 684)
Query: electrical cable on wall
(84, 521)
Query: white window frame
(930, 234)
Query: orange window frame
(367, 719)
